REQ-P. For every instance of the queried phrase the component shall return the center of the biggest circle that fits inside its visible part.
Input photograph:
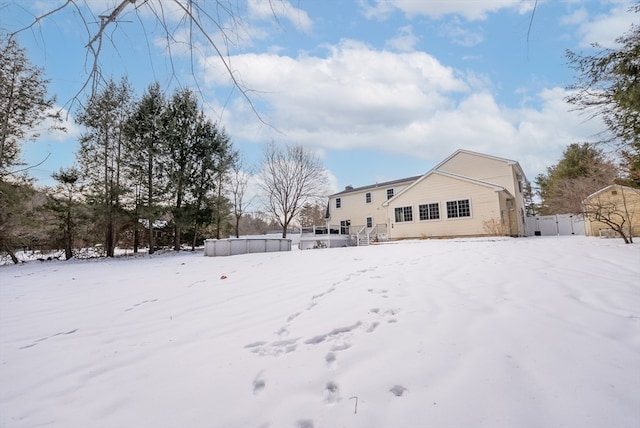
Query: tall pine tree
(146, 159)
(101, 155)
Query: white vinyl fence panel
(559, 224)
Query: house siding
(355, 208)
(496, 171)
(484, 203)
(481, 168)
(491, 184)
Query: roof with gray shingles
(378, 185)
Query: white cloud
(59, 130)
(402, 103)
(576, 17)
(351, 91)
(470, 9)
(376, 9)
(278, 9)
(458, 34)
(603, 29)
(405, 41)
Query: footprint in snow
(372, 327)
(259, 384)
(398, 390)
(332, 393)
(62, 333)
(332, 360)
(273, 349)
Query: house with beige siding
(612, 207)
(467, 194)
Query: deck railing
(355, 234)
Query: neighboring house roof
(350, 189)
(609, 187)
(495, 187)
(508, 161)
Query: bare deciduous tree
(583, 169)
(616, 207)
(290, 177)
(238, 184)
(215, 24)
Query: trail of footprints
(339, 338)
(42, 339)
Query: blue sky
(379, 89)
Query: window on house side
(367, 197)
(404, 214)
(338, 202)
(369, 222)
(429, 211)
(389, 193)
(460, 208)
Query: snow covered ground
(529, 332)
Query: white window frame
(390, 193)
(369, 222)
(457, 201)
(428, 204)
(338, 203)
(368, 197)
(403, 214)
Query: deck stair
(364, 240)
(363, 237)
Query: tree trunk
(195, 237)
(11, 253)
(176, 237)
(177, 218)
(152, 242)
(109, 239)
(68, 253)
(624, 236)
(136, 236)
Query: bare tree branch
(196, 13)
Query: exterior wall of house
(631, 200)
(495, 171)
(493, 211)
(355, 209)
(485, 202)
(482, 168)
